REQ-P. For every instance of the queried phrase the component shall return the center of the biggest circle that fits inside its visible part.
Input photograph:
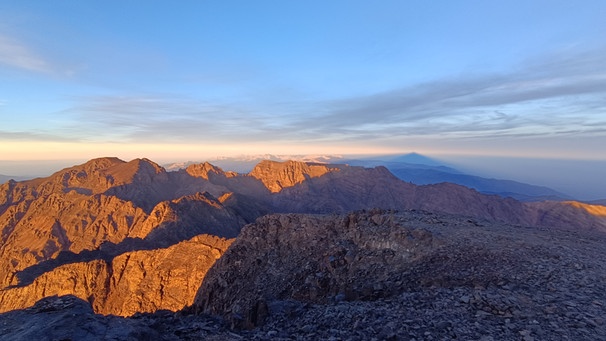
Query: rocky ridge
(108, 201)
(409, 275)
(85, 218)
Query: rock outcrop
(390, 275)
(312, 259)
(132, 282)
(279, 175)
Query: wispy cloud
(35, 136)
(547, 96)
(558, 95)
(16, 54)
(145, 118)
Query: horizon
(468, 80)
(580, 179)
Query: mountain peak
(415, 158)
(97, 164)
(203, 170)
(278, 175)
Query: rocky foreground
(383, 275)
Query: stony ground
(488, 282)
(482, 282)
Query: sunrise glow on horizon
(196, 80)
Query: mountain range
(131, 237)
(413, 167)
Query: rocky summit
(410, 275)
(291, 250)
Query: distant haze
(581, 179)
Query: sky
(184, 80)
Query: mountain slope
(136, 281)
(422, 170)
(504, 188)
(105, 202)
(91, 215)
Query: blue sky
(187, 79)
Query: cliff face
(106, 201)
(310, 259)
(117, 234)
(137, 281)
(39, 229)
(279, 175)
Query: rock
(137, 281)
(69, 318)
(282, 256)
(279, 175)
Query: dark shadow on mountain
(79, 190)
(106, 251)
(147, 193)
(421, 170)
(197, 214)
(504, 188)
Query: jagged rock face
(73, 222)
(136, 281)
(38, 230)
(311, 259)
(107, 201)
(409, 269)
(246, 185)
(279, 175)
(207, 171)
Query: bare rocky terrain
(411, 275)
(168, 249)
(384, 275)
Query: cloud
(560, 95)
(16, 54)
(153, 118)
(34, 136)
(543, 97)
